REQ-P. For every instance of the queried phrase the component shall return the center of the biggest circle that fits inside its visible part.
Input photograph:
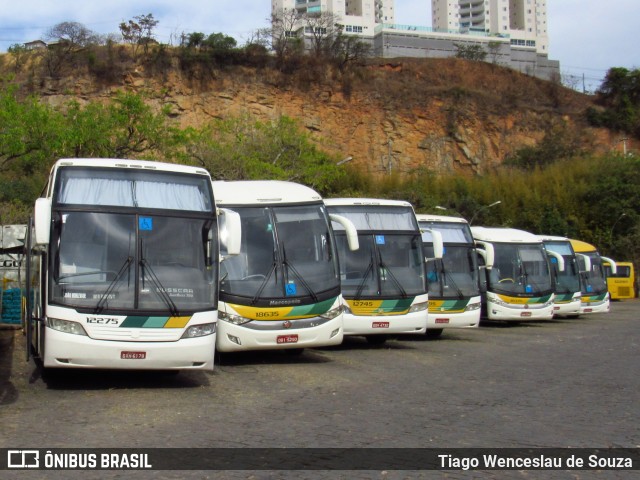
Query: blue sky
(587, 36)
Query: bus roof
(582, 247)
(251, 192)
(129, 163)
(505, 235)
(366, 201)
(427, 217)
(552, 238)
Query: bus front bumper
(65, 350)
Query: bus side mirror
(487, 254)
(438, 244)
(42, 221)
(230, 228)
(350, 229)
(559, 259)
(612, 265)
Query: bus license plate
(525, 314)
(287, 339)
(442, 320)
(380, 325)
(133, 355)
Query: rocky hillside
(443, 115)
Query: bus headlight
(472, 306)
(66, 326)
(419, 307)
(499, 302)
(331, 314)
(199, 330)
(235, 319)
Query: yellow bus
(621, 285)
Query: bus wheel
(434, 332)
(376, 339)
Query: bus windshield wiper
(112, 285)
(161, 290)
(364, 278)
(272, 269)
(451, 282)
(298, 276)
(393, 278)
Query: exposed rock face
(401, 118)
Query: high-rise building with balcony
(523, 21)
(512, 33)
(358, 16)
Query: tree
(20, 55)
(348, 49)
(72, 35)
(619, 95)
(285, 41)
(139, 32)
(323, 27)
(470, 52)
(66, 38)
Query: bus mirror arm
(586, 260)
(350, 229)
(42, 221)
(487, 253)
(612, 264)
(559, 258)
(438, 244)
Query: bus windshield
(594, 280)
(567, 281)
(455, 275)
(385, 265)
(520, 269)
(128, 261)
(287, 253)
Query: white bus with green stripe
(123, 267)
(383, 282)
(283, 290)
(566, 274)
(454, 293)
(517, 284)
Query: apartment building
(358, 16)
(523, 21)
(512, 32)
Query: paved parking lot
(566, 383)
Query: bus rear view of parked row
(622, 284)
